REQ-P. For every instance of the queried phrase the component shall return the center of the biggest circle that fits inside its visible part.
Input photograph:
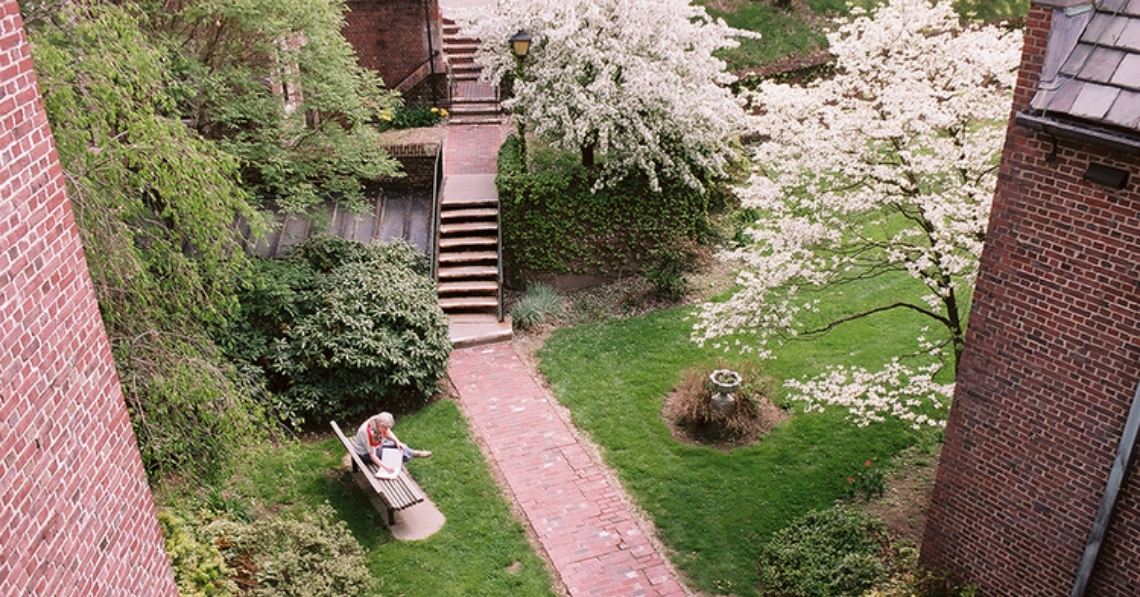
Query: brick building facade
(1052, 360)
(402, 41)
(76, 514)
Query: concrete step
(469, 287)
(464, 228)
(466, 69)
(459, 49)
(479, 213)
(467, 241)
(468, 272)
(487, 97)
(477, 120)
(476, 329)
(469, 303)
(472, 108)
(456, 257)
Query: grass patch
(782, 34)
(481, 550)
(800, 29)
(716, 510)
(991, 11)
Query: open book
(392, 458)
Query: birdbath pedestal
(724, 382)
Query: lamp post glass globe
(520, 43)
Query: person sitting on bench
(375, 435)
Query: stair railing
(437, 198)
(499, 261)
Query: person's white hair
(386, 419)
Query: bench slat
(397, 494)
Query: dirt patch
(904, 504)
(769, 416)
(415, 136)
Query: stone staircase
(467, 273)
(468, 269)
(472, 101)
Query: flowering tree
(632, 80)
(887, 167)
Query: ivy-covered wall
(554, 221)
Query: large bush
(825, 553)
(344, 328)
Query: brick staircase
(472, 101)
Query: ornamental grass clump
(693, 411)
(539, 304)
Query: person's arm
(399, 445)
(372, 452)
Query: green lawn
(785, 33)
(481, 550)
(714, 509)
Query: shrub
(343, 328)
(908, 579)
(199, 568)
(555, 220)
(300, 554)
(539, 303)
(825, 553)
(407, 118)
(666, 266)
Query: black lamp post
(520, 44)
(520, 47)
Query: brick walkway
(473, 148)
(569, 500)
(575, 509)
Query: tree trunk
(588, 155)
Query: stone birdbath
(724, 383)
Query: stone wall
(76, 514)
(1048, 375)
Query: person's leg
(409, 453)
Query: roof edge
(1079, 131)
(1060, 3)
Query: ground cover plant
(481, 550)
(716, 510)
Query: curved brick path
(573, 506)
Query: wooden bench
(386, 495)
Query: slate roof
(1092, 66)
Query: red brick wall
(391, 37)
(1048, 374)
(76, 516)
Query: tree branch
(834, 324)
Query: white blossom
(635, 79)
(888, 166)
